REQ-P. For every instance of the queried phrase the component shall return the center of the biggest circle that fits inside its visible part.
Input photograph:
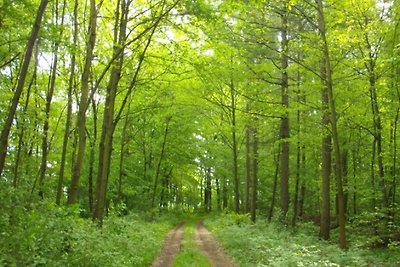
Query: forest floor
(205, 241)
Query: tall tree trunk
(326, 149)
(248, 167)
(396, 84)
(83, 103)
(71, 86)
(254, 178)
(234, 148)
(164, 196)
(377, 124)
(285, 128)
(49, 97)
(93, 142)
(21, 134)
(333, 118)
(345, 178)
(162, 153)
(224, 193)
(122, 173)
(20, 84)
(275, 185)
(207, 190)
(218, 188)
(301, 98)
(108, 126)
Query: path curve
(211, 248)
(171, 247)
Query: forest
(267, 126)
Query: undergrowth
(272, 244)
(48, 235)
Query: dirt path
(171, 248)
(211, 248)
(205, 241)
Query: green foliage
(49, 235)
(264, 244)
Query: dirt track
(204, 239)
(171, 247)
(211, 248)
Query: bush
(49, 235)
(273, 244)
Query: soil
(204, 239)
(211, 248)
(171, 247)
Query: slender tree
(285, 128)
(333, 120)
(326, 148)
(83, 103)
(5, 132)
(67, 129)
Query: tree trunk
(274, 186)
(164, 196)
(285, 128)
(254, 178)
(71, 86)
(21, 134)
(234, 148)
(333, 118)
(83, 103)
(248, 169)
(162, 153)
(218, 188)
(108, 126)
(377, 125)
(124, 141)
(93, 142)
(207, 190)
(20, 84)
(49, 97)
(224, 193)
(300, 98)
(326, 149)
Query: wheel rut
(171, 247)
(211, 248)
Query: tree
(333, 120)
(285, 128)
(83, 104)
(20, 83)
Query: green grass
(190, 255)
(271, 244)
